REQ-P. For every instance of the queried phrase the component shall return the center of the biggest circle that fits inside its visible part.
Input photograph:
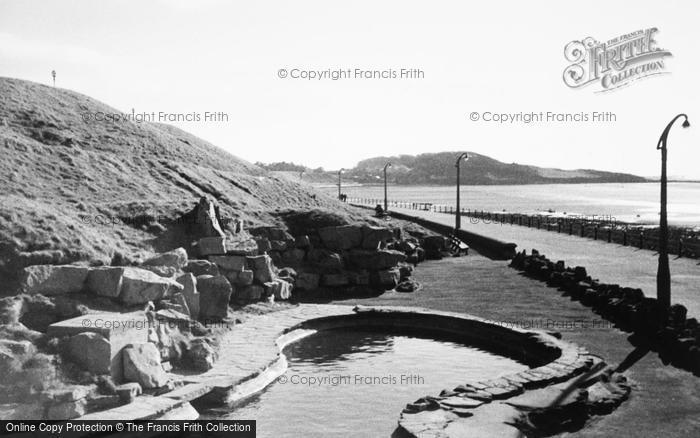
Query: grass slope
(76, 190)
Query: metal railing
(603, 230)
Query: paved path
(665, 400)
(609, 262)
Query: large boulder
(176, 258)
(262, 268)
(12, 355)
(189, 291)
(214, 296)
(204, 219)
(53, 279)
(200, 356)
(376, 260)
(342, 237)
(375, 237)
(105, 281)
(91, 351)
(140, 286)
(142, 364)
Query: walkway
(609, 262)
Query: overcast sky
(499, 56)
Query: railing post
(609, 234)
(641, 240)
(680, 247)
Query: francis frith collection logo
(615, 63)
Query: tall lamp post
(340, 172)
(386, 203)
(663, 275)
(458, 215)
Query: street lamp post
(386, 203)
(339, 183)
(458, 214)
(663, 275)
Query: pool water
(352, 382)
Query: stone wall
(348, 258)
(673, 335)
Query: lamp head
(686, 124)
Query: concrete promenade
(609, 262)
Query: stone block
(307, 281)
(53, 279)
(142, 365)
(140, 286)
(359, 278)
(214, 296)
(232, 263)
(249, 294)
(201, 267)
(326, 261)
(376, 260)
(200, 356)
(302, 241)
(386, 279)
(293, 257)
(211, 246)
(375, 237)
(120, 329)
(335, 280)
(245, 278)
(176, 258)
(341, 237)
(105, 281)
(67, 410)
(262, 268)
(91, 351)
(190, 292)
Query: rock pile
(676, 337)
(353, 258)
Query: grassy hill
(83, 190)
(438, 169)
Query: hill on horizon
(76, 190)
(439, 169)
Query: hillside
(76, 190)
(438, 169)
